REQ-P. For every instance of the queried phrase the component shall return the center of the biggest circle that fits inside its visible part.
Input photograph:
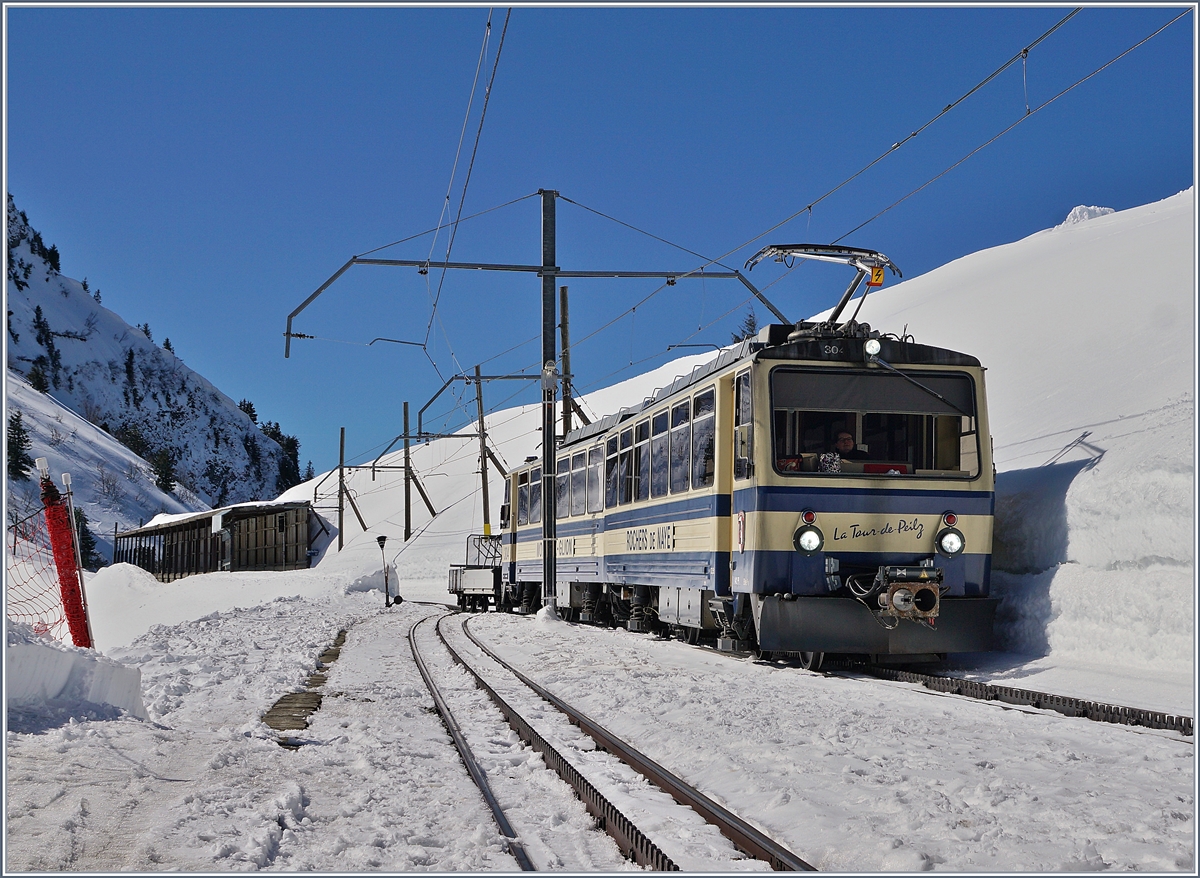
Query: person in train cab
(846, 449)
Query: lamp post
(387, 596)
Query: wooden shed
(248, 536)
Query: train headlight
(871, 347)
(808, 540)
(950, 542)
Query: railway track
(1064, 704)
(653, 846)
(478, 775)
(1067, 705)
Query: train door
(743, 470)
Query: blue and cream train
(718, 507)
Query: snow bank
(43, 676)
(126, 601)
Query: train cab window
(535, 496)
(743, 428)
(523, 498)
(704, 430)
(625, 465)
(562, 488)
(612, 483)
(641, 461)
(922, 427)
(505, 511)
(578, 483)
(660, 455)
(595, 497)
(681, 450)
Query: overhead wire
(895, 146)
(1023, 55)
(487, 32)
(487, 95)
(439, 227)
(1028, 114)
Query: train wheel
(811, 661)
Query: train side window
(625, 465)
(595, 498)
(523, 498)
(704, 430)
(611, 475)
(681, 451)
(743, 428)
(660, 455)
(641, 461)
(578, 483)
(968, 444)
(562, 488)
(535, 496)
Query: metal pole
(66, 478)
(341, 486)
(565, 327)
(407, 480)
(549, 388)
(487, 518)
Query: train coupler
(911, 592)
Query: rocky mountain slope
(64, 342)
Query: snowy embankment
(43, 678)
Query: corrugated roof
(249, 508)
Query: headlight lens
(871, 347)
(808, 540)
(950, 541)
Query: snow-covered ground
(1085, 328)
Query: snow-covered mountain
(114, 376)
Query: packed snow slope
(114, 376)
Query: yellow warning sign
(876, 277)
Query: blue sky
(209, 168)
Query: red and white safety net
(33, 595)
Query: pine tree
(164, 470)
(748, 329)
(145, 328)
(92, 560)
(167, 345)
(309, 473)
(37, 377)
(20, 462)
(289, 465)
(248, 407)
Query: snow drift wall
(42, 674)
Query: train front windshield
(924, 424)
